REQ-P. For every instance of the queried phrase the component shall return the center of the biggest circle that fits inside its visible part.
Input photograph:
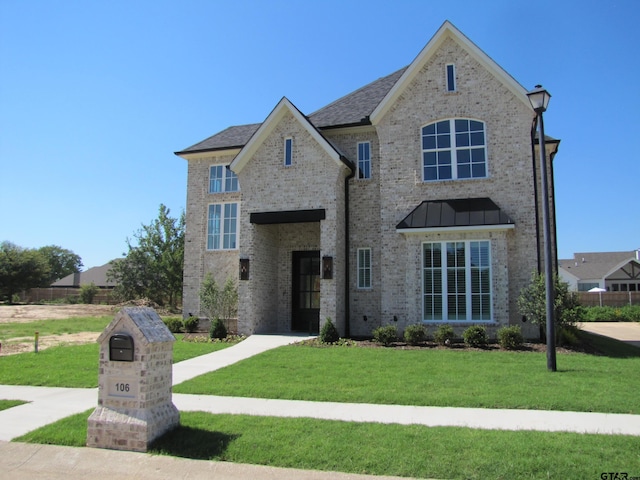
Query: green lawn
(403, 450)
(76, 366)
(53, 327)
(457, 378)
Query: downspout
(534, 127)
(347, 245)
(553, 195)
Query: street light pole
(539, 99)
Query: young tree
(532, 303)
(62, 262)
(153, 266)
(209, 297)
(21, 269)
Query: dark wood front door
(306, 292)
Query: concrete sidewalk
(628, 332)
(23, 461)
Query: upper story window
(288, 152)
(222, 179)
(454, 149)
(451, 77)
(364, 160)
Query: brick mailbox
(134, 394)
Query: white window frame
(218, 235)
(450, 80)
(364, 270)
(227, 175)
(288, 152)
(364, 162)
(454, 150)
(444, 293)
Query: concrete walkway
(628, 332)
(51, 404)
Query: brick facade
(375, 206)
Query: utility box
(134, 384)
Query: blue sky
(96, 96)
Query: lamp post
(539, 99)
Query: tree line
(151, 268)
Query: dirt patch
(32, 313)
(24, 344)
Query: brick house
(412, 199)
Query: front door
(306, 292)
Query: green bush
(510, 338)
(568, 336)
(415, 334)
(218, 330)
(87, 292)
(329, 332)
(475, 336)
(444, 335)
(174, 324)
(628, 313)
(190, 324)
(386, 335)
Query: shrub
(174, 324)
(386, 335)
(628, 313)
(475, 336)
(533, 305)
(190, 324)
(568, 336)
(510, 338)
(87, 292)
(415, 334)
(329, 332)
(444, 335)
(218, 330)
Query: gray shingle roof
(97, 275)
(586, 266)
(351, 109)
(231, 137)
(355, 107)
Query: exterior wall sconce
(327, 268)
(244, 269)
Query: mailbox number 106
(122, 387)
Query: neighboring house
(611, 271)
(413, 199)
(95, 275)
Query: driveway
(628, 332)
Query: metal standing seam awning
(459, 214)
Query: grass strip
(377, 449)
(76, 366)
(456, 378)
(5, 404)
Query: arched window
(453, 149)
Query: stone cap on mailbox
(146, 321)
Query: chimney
(637, 253)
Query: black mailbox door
(121, 348)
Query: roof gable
(266, 128)
(447, 30)
(596, 265)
